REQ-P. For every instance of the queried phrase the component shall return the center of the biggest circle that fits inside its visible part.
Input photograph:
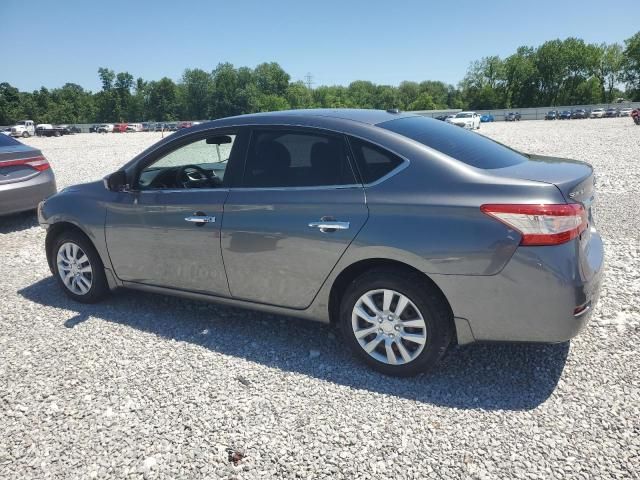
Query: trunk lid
(10, 173)
(573, 178)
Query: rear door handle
(200, 219)
(330, 226)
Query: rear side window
(7, 141)
(288, 158)
(468, 147)
(373, 161)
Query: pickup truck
(23, 128)
(48, 130)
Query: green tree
(198, 89)
(631, 66)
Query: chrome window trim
(182, 190)
(317, 187)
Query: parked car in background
(105, 128)
(48, 130)
(612, 112)
(565, 115)
(442, 118)
(147, 127)
(119, 127)
(487, 117)
(6, 131)
(172, 126)
(26, 178)
(406, 249)
(626, 112)
(134, 127)
(94, 128)
(597, 113)
(468, 120)
(579, 113)
(512, 117)
(74, 129)
(635, 115)
(24, 129)
(551, 115)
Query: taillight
(38, 163)
(541, 224)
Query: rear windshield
(7, 141)
(468, 147)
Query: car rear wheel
(396, 323)
(78, 268)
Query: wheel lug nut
(379, 319)
(379, 330)
(391, 335)
(390, 318)
(397, 327)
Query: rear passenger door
(295, 212)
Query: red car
(184, 125)
(636, 116)
(120, 127)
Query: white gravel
(142, 386)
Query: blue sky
(336, 41)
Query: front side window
(281, 158)
(199, 164)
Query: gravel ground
(142, 386)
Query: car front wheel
(398, 324)
(78, 268)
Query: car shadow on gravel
(18, 221)
(489, 377)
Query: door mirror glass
(117, 181)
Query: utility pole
(309, 80)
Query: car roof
(367, 116)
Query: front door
(166, 231)
(297, 209)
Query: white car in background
(597, 113)
(469, 120)
(626, 112)
(105, 128)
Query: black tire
(426, 297)
(56, 133)
(25, 134)
(99, 286)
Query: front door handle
(330, 226)
(200, 219)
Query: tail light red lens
(541, 224)
(38, 163)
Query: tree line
(558, 72)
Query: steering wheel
(193, 176)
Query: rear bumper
(21, 196)
(534, 298)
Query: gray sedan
(26, 177)
(408, 233)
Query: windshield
(464, 115)
(22, 122)
(470, 148)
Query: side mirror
(116, 182)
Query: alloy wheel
(389, 326)
(74, 268)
